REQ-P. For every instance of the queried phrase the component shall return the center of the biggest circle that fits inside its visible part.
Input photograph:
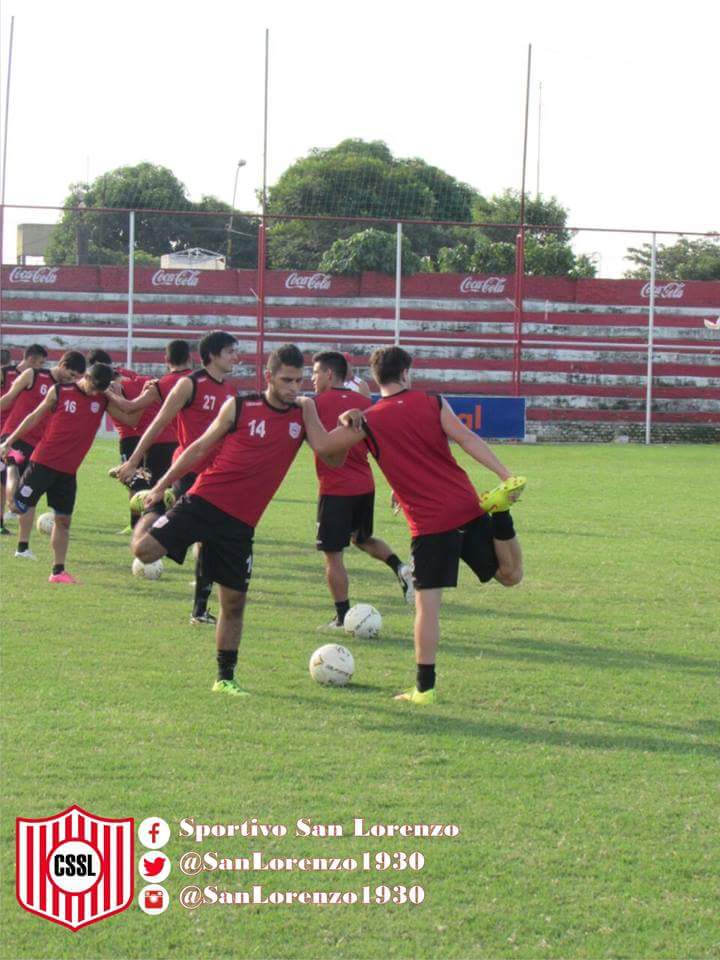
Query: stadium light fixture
(228, 253)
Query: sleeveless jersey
(195, 417)
(71, 428)
(131, 388)
(9, 376)
(164, 385)
(253, 459)
(41, 384)
(412, 450)
(355, 476)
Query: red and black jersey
(208, 396)
(9, 376)
(164, 385)
(131, 388)
(253, 459)
(71, 428)
(355, 476)
(27, 400)
(407, 439)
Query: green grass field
(576, 742)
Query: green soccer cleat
(230, 687)
(503, 496)
(423, 699)
(169, 499)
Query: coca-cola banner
(310, 283)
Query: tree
(369, 250)
(89, 236)
(683, 260)
(544, 257)
(359, 179)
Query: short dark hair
(100, 375)
(35, 350)
(333, 361)
(5, 357)
(99, 356)
(177, 352)
(211, 345)
(389, 363)
(73, 360)
(287, 355)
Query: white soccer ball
(45, 523)
(332, 664)
(363, 621)
(151, 571)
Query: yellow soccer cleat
(503, 496)
(413, 695)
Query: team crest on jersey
(94, 406)
(74, 868)
(295, 430)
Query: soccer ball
(151, 571)
(332, 664)
(363, 621)
(45, 523)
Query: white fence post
(398, 282)
(651, 331)
(131, 289)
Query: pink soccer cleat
(63, 577)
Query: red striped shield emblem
(74, 868)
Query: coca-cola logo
(311, 281)
(176, 278)
(665, 291)
(488, 285)
(34, 274)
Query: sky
(627, 136)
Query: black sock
(502, 525)
(203, 588)
(22, 546)
(58, 568)
(425, 677)
(227, 661)
(394, 562)
(341, 608)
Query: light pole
(228, 253)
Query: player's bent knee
(509, 577)
(233, 604)
(63, 520)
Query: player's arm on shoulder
(331, 447)
(176, 400)
(21, 383)
(35, 416)
(470, 442)
(118, 412)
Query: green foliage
(544, 257)
(369, 250)
(144, 187)
(683, 260)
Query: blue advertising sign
(497, 418)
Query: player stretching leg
(347, 496)
(257, 438)
(75, 412)
(407, 431)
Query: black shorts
(158, 460)
(436, 556)
(181, 486)
(227, 543)
(127, 447)
(24, 451)
(61, 489)
(342, 519)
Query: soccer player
(407, 431)
(256, 438)
(195, 400)
(74, 412)
(347, 495)
(34, 356)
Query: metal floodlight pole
(4, 168)
(398, 282)
(228, 252)
(131, 288)
(651, 333)
(261, 232)
(520, 245)
(539, 130)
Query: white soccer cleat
(333, 625)
(404, 575)
(25, 554)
